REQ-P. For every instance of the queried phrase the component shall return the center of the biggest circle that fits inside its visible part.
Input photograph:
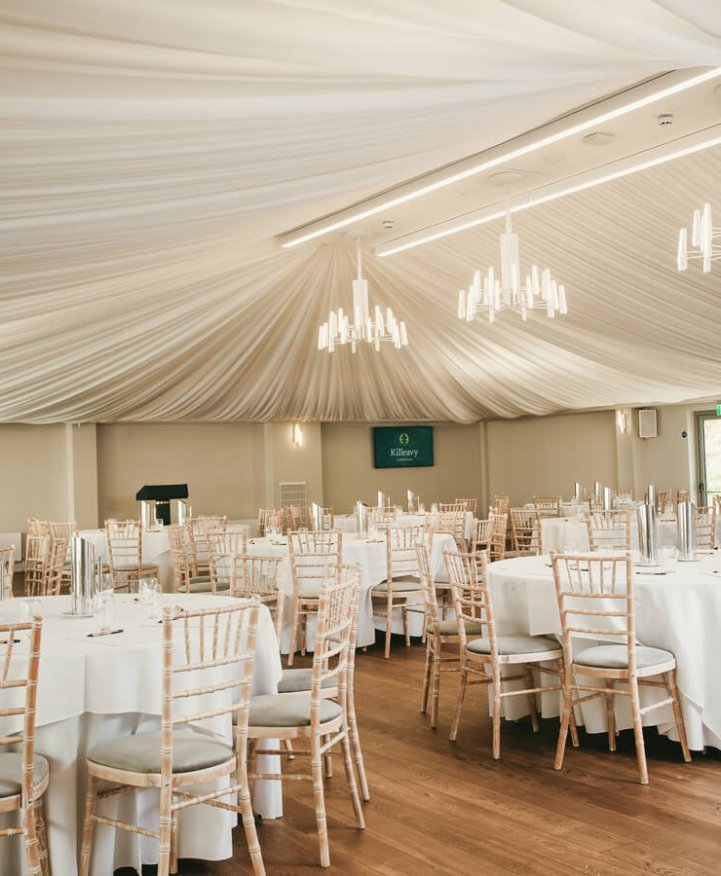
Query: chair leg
(533, 709)
(389, 619)
(319, 799)
(496, 752)
(288, 745)
(426, 678)
(31, 842)
(252, 764)
(565, 718)
(174, 844)
(462, 681)
(638, 732)
(350, 776)
(436, 694)
(91, 796)
(293, 632)
(404, 615)
(328, 760)
(356, 746)
(611, 715)
(246, 810)
(678, 714)
(42, 836)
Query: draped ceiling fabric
(151, 151)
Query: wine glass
(104, 610)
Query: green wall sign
(402, 446)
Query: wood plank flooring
(446, 808)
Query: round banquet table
(91, 690)
(679, 610)
(370, 556)
(571, 533)
(347, 523)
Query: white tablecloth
(94, 689)
(560, 533)
(679, 611)
(346, 523)
(370, 556)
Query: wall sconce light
(621, 422)
(297, 435)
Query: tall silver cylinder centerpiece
(647, 535)
(410, 501)
(652, 496)
(686, 532)
(577, 493)
(147, 513)
(316, 513)
(607, 499)
(361, 519)
(82, 572)
(381, 499)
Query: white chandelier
(488, 294)
(703, 235)
(340, 330)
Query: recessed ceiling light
(598, 138)
(505, 178)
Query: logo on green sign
(404, 438)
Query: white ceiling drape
(150, 152)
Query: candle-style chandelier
(340, 330)
(489, 294)
(703, 235)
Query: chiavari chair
(547, 506)
(706, 528)
(227, 542)
(64, 530)
(403, 582)
(469, 505)
(314, 557)
(45, 565)
(293, 517)
(595, 600)
(270, 518)
(199, 530)
(318, 715)
(174, 759)
(125, 553)
(7, 562)
(251, 575)
(37, 527)
(501, 504)
(474, 609)
(609, 530)
(181, 554)
(458, 505)
(24, 775)
(499, 528)
(526, 535)
(481, 539)
(683, 496)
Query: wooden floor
(447, 808)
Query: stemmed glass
(151, 598)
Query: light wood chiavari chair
(270, 518)
(609, 530)
(499, 528)
(474, 609)
(7, 562)
(455, 507)
(228, 542)
(181, 554)
(252, 575)
(67, 531)
(174, 760)
(24, 776)
(501, 504)
(293, 517)
(318, 715)
(469, 505)
(595, 600)
(706, 528)
(403, 582)
(125, 553)
(37, 527)
(482, 531)
(327, 518)
(200, 530)
(314, 557)
(36, 552)
(526, 535)
(547, 506)
(683, 496)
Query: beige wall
(218, 461)
(349, 475)
(32, 474)
(546, 455)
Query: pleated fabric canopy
(151, 152)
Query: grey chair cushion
(309, 589)
(449, 627)
(401, 584)
(616, 657)
(510, 554)
(202, 584)
(288, 710)
(10, 772)
(141, 753)
(123, 567)
(515, 645)
(300, 679)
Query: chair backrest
(37, 527)
(499, 527)
(36, 552)
(207, 523)
(468, 579)
(706, 528)
(314, 555)
(227, 541)
(595, 599)
(327, 518)
(458, 505)
(18, 696)
(454, 523)
(430, 597)
(252, 575)
(181, 554)
(125, 544)
(547, 506)
(482, 530)
(609, 530)
(501, 504)
(7, 561)
(401, 556)
(337, 610)
(469, 504)
(55, 566)
(526, 530)
(221, 546)
(270, 518)
(63, 530)
(218, 640)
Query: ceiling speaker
(647, 423)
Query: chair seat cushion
(616, 657)
(515, 645)
(130, 567)
(288, 710)
(529, 553)
(401, 584)
(202, 584)
(141, 753)
(309, 589)
(11, 769)
(300, 679)
(449, 627)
